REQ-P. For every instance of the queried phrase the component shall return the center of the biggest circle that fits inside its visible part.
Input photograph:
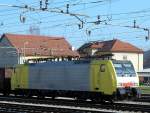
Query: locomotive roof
(60, 63)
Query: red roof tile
(114, 46)
(119, 46)
(41, 45)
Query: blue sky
(115, 14)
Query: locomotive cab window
(124, 69)
(102, 67)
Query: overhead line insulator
(67, 8)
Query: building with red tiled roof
(120, 50)
(33, 47)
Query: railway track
(133, 107)
(144, 98)
(8, 107)
(62, 105)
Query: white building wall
(135, 58)
(21, 60)
(140, 62)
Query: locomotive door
(99, 77)
(95, 86)
(103, 77)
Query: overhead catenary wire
(45, 21)
(114, 19)
(106, 24)
(25, 6)
(102, 15)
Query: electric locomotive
(81, 79)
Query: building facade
(147, 59)
(33, 48)
(120, 50)
(144, 76)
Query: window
(124, 69)
(124, 57)
(119, 68)
(102, 67)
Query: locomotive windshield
(124, 69)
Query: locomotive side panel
(60, 76)
(79, 78)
